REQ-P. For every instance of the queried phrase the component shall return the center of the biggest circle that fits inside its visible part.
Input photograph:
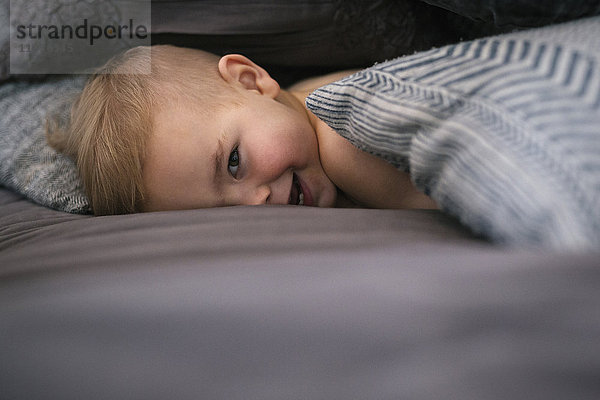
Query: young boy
(202, 131)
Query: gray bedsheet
(287, 303)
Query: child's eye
(234, 162)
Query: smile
(296, 193)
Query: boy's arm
(366, 179)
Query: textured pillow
(336, 34)
(503, 132)
(520, 13)
(28, 165)
(4, 38)
(299, 34)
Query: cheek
(285, 140)
(291, 148)
(271, 155)
(302, 142)
(302, 149)
(284, 154)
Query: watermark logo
(74, 36)
(84, 31)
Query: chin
(328, 198)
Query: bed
(287, 302)
(282, 301)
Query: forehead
(178, 168)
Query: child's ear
(239, 70)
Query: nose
(264, 191)
(258, 195)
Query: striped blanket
(502, 132)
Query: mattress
(287, 302)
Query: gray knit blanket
(27, 164)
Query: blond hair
(113, 117)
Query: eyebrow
(218, 157)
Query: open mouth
(296, 194)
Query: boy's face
(260, 151)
